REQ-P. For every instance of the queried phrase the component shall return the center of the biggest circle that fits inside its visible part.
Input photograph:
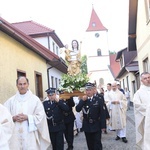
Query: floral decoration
(70, 83)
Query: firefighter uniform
(55, 119)
(93, 119)
(69, 118)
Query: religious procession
(84, 118)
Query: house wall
(16, 56)
(44, 41)
(131, 78)
(143, 35)
(56, 74)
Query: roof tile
(31, 27)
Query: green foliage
(84, 64)
(70, 83)
(112, 52)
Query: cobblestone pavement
(108, 140)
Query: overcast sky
(70, 18)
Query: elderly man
(117, 106)
(93, 117)
(6, 128)
(31, 130)
(141, 103)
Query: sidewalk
(108, 140)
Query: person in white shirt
(141, 101)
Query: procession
(76, 76)
(53, 123)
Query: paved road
(108, 140)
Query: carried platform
(66, 95)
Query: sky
(70, 18)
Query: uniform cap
(51, 91)
(94, 85)
(89, 85)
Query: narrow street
(108, 140)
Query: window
(96, 35)
(137, 81)
(53, 47)
(93, 24)
(57, 50)
(59, 81)
(147, 9)
(99, 53)
(123, 84)
(146, 65)
(21, 73)
(133, 86)
(52, 81)
(38, 85)
(121, 62)
(56, 83)
(127, 78)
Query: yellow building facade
(17, 57)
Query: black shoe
(117, 138)
(124, 140)
(105, 132)
(69, 149)
(112, 130)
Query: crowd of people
(31, 124)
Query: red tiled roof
(95, 23)
(34, 30)
(27, 41)
(114, 66)
(31, 27)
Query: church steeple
(95, 23)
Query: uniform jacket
(54, 113)
(69, 115)
(93, 114)
(105, 107)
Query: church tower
(96, 46)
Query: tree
(84, 64)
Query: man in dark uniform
(119, 87)
(54, 111)
(93, 117)
(101, 97)
(69, 118)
